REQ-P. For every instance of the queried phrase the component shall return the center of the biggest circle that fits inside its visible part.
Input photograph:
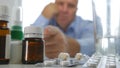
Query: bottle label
(7, 50)
(33, 51)
(35, 35)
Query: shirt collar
(72, 25)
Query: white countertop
(17, 66)
(27, 66)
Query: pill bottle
(33, 45)
(4, 35)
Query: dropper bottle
(16, 38)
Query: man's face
(66, 11)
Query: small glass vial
(33, 45)
(4, 36)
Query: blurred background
(33, 8)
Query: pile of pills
(63, 60)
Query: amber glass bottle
(4, 36)
(33, 46)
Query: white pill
(64, 56)
(49, 63)
(78, 56)
(64, 63)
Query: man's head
(66, 12)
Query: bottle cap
(16, 33)
(4, 12)
(18, 17)
(33, 31)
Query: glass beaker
(106, 13)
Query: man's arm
(48, 12)
(73, 46)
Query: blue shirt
(79, 29)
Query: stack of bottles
(14, 48)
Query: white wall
(33, 8)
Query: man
(64, 31)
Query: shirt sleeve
(86, 41)
(41, 21)
(86, 46)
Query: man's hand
(55, 41)
(50, 10)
